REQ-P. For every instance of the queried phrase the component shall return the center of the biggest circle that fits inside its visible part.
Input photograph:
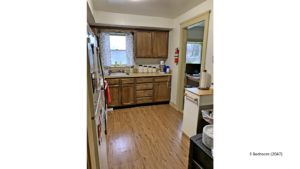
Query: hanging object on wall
(176, 56)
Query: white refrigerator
(96, 111)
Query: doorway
(190, 65)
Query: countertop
(200, 92)
(139, 75)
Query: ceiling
(159, 8)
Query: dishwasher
(190, 114)
(191, 111)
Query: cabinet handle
(192, 99)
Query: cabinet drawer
(144, 93)
(112, 81)
(144, 86)
(144, 80)
(127, 81)
(162, 79)
(144, 100)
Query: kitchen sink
(118, 74)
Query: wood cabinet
(143, 43)
(127, 94)
(160, 44)
(151, 44)
(140, 90)
(115, 95)
(162, 88)
(122, 91)
(162, 92)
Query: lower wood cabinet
(115, 95)
(144, 100)
(130, 91)
(162, 92)
(127, 94)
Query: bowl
(207, 136)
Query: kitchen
(137, 64)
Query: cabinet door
(161, 91)
(160, 44)
(114, 95)
(127, 93)
(143, 44)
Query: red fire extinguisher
(176, 57)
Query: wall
(195, 34)
(109, 18)
(174, 39)
(91, 6)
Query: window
(193, 52)
(118, 49)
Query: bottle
(165, 69)
(168, 69)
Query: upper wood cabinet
(160, 44)
(151, 44)
(143, 44)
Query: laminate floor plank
(146, 137)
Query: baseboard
(184, 135)
(174, 106)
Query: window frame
(118, 34)
(200, 52)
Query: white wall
(109, 18)
(174, 38)
(195, 34)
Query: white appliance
(97, 108)
(192, 103)
(190, 114)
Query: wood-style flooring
(147, 137)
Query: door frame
(183, 39)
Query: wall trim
(173, 105)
